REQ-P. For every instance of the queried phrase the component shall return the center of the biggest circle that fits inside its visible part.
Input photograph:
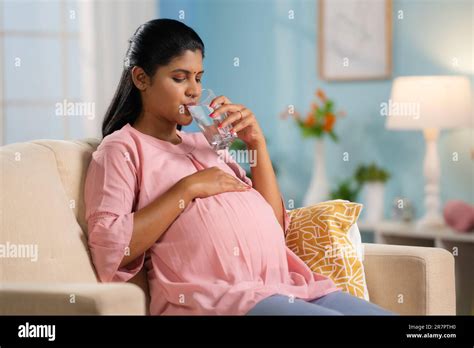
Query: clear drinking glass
(218, 138)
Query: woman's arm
(264, 179)
(150, 222)
(245, 124)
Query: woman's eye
(181, 80)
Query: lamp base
(430, 221)
(432, 173)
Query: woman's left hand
(242, 120)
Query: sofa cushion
(320, 236)
(38, 214)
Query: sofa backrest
(42, 208)
(41, 197)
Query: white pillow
(356, 240)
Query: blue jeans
(334, 303)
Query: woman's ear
(140, 78)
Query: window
(39, 63)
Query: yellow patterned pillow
(319, 235)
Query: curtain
(105, 27)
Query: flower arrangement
(320, 120)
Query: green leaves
(347, 190)
(238, 144)
(370, 173)
(350, 188)
(333, 136)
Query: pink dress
(221, 255)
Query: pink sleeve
(110, 191)
(240, 172)
(286, 218)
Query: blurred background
(267, 55)
(329, 81)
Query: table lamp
(430, 103)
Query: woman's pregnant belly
(232, 236)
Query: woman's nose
(194, 89)
(193, 95)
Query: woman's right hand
(212, 181)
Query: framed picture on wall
(355, 39)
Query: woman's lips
(186, 111)
(186, 108)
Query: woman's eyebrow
(185, 71)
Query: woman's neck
(157, 127)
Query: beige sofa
(41, 204)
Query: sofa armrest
(71, 299)
(410, 280)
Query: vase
(318, 189)
(374, 201)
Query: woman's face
(173, 86)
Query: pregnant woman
(211, 240)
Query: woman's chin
(185, 119)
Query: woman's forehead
(189, 61)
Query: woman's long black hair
(154, 44)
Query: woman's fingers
(236, 183)
(246, 121)
(234, 118)
(229, 182)
(222, 99)
(226, 108)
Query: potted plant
(373, 179)
(319, 123)
(347, 190)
